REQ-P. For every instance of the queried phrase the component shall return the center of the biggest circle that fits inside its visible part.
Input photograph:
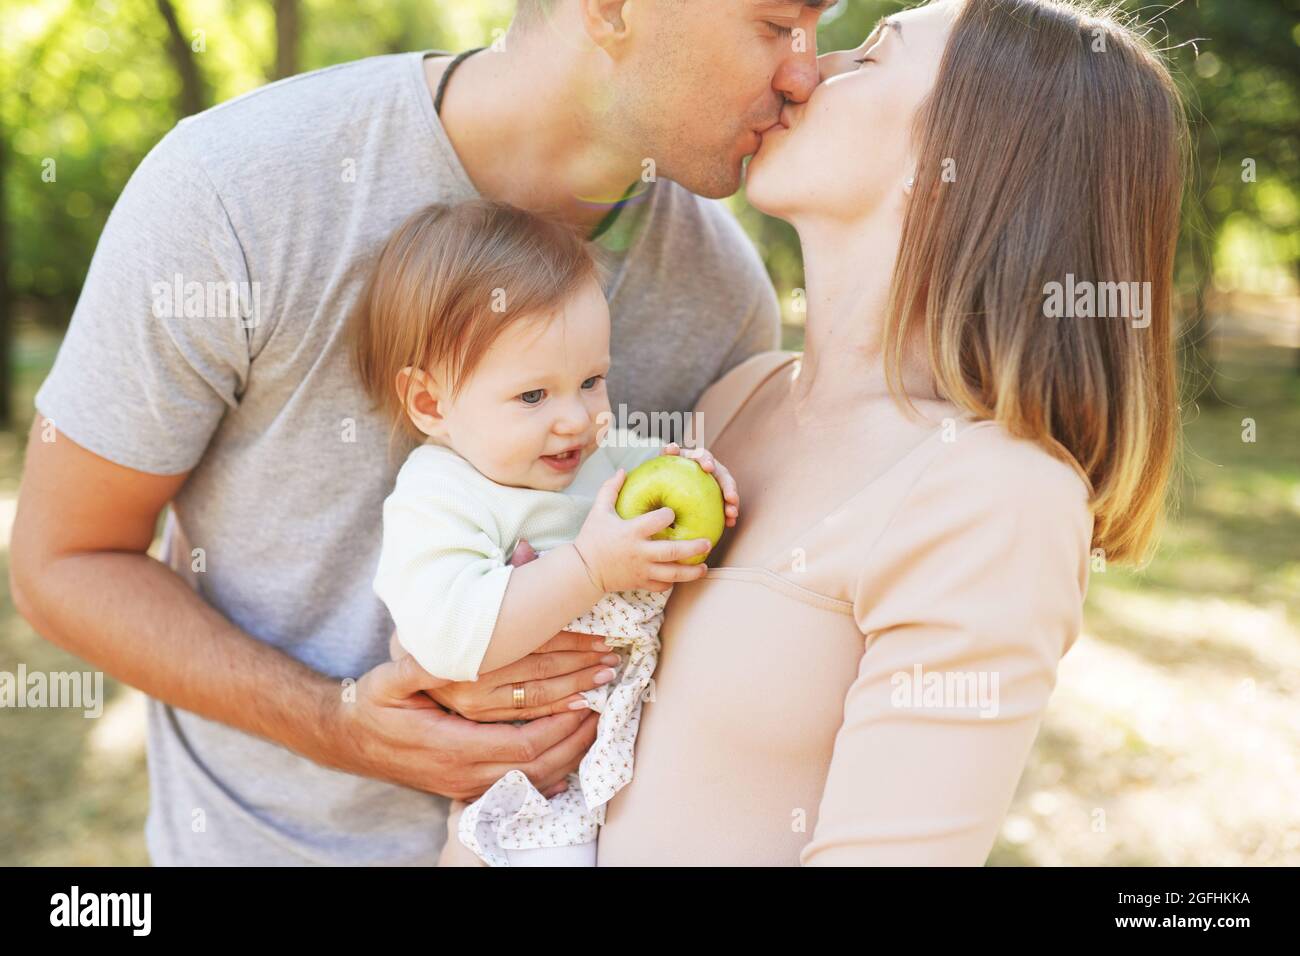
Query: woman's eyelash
(781, 31)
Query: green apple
(681, 484)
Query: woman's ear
(423, 401)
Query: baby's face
(538, 392)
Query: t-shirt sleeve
(761, 329)
(976, 592)
(442, 571)
(158, 348)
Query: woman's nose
(833, 64)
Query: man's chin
(718, 182)
(713, 180)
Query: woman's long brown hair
(1053, 145)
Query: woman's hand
(704, 458)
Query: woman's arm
(974, 593)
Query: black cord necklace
(446, 75)
(441, 91)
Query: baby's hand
(619, 554)
(704, 458)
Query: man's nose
(797, 76)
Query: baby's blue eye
(531, 397)
(591, 382)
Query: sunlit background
(1174, 731)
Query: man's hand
(393, 731)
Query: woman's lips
(776, 127)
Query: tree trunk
(287, 32)
(194, 92)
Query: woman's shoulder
(984, 467)
(724, 397)
(1008, 467)
(992, 527)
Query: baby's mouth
(571, 457)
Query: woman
(861, 675)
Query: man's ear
(423, 400)
(606, 21)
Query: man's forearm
(135, 618)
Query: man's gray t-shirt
(282, 199)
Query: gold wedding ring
(517, 698)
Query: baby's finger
(704, 458)
(672, 448)
(677, 573)
(608, 492)
(723, 477)
(652, 522)
(665, 552)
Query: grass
(1171, 738)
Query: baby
(484, 335)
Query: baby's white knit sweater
(449, 532)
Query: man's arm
(79, 572)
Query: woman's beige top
(870, 694)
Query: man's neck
(519, 122)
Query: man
(205, 367)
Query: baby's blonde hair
(448, 282)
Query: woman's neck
(848, 268)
